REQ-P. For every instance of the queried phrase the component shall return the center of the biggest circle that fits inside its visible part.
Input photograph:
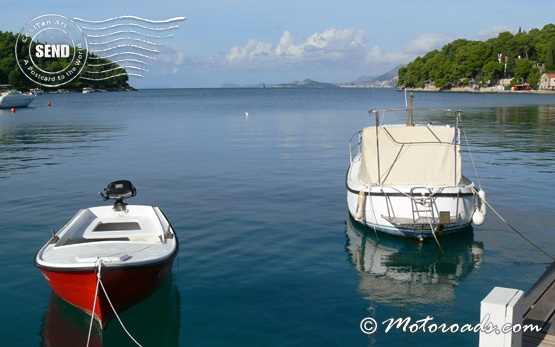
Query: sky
(247, 42)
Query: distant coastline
(494, 89)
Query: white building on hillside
(547, 81)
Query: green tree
(462, 60)
(550, 57)
(534, 76)
(523, 68)
(492, 70)
(10, 72)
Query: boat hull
(108, 258)
(408, 211)
(18, 100)
(125, 286)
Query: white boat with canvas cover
(405, 178)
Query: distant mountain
(307, 83)
(230, 85)
(363, 79)
(233, 85)
(388, 76)
(387, 80)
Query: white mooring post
(503, 308)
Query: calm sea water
(268, 253)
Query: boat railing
(408, 115)
(6, 87)
(355, 145)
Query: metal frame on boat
(108, 258)
(405, 178)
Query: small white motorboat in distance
(15, 98)
(405, 178)
(109, 258)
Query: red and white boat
(110, 257)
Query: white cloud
(330, 46)
(377, 56)
(167, 60)
(427, 42)
(491, 32)
(168, 55)
(330, 55)
(253, 52)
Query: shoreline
(481, 90)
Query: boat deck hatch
(119, 226)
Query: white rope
(99, 282)
(498, 215)
(435, 237)
(94, 303)
(119, 319)
(471, 157)
(518, 232)
(373, 213)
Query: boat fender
(360, 205)
(482, 196)
(478, 218)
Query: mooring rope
(516, 231)
(471, 157)
(435, 237)
(99, 282)
(94, 303)
(489, 205)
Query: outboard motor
(119, 190)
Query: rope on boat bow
(94, 303)
(491, 207)
(469, 152)
(99, 283)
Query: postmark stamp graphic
(51, 50)
(134, 43)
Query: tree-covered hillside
(10, 72)
(522, 57)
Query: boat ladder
(422, 201)
(423, 210)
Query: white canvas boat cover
(410, 155)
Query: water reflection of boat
(395, 271)
(153, 322)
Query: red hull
(125, 286)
